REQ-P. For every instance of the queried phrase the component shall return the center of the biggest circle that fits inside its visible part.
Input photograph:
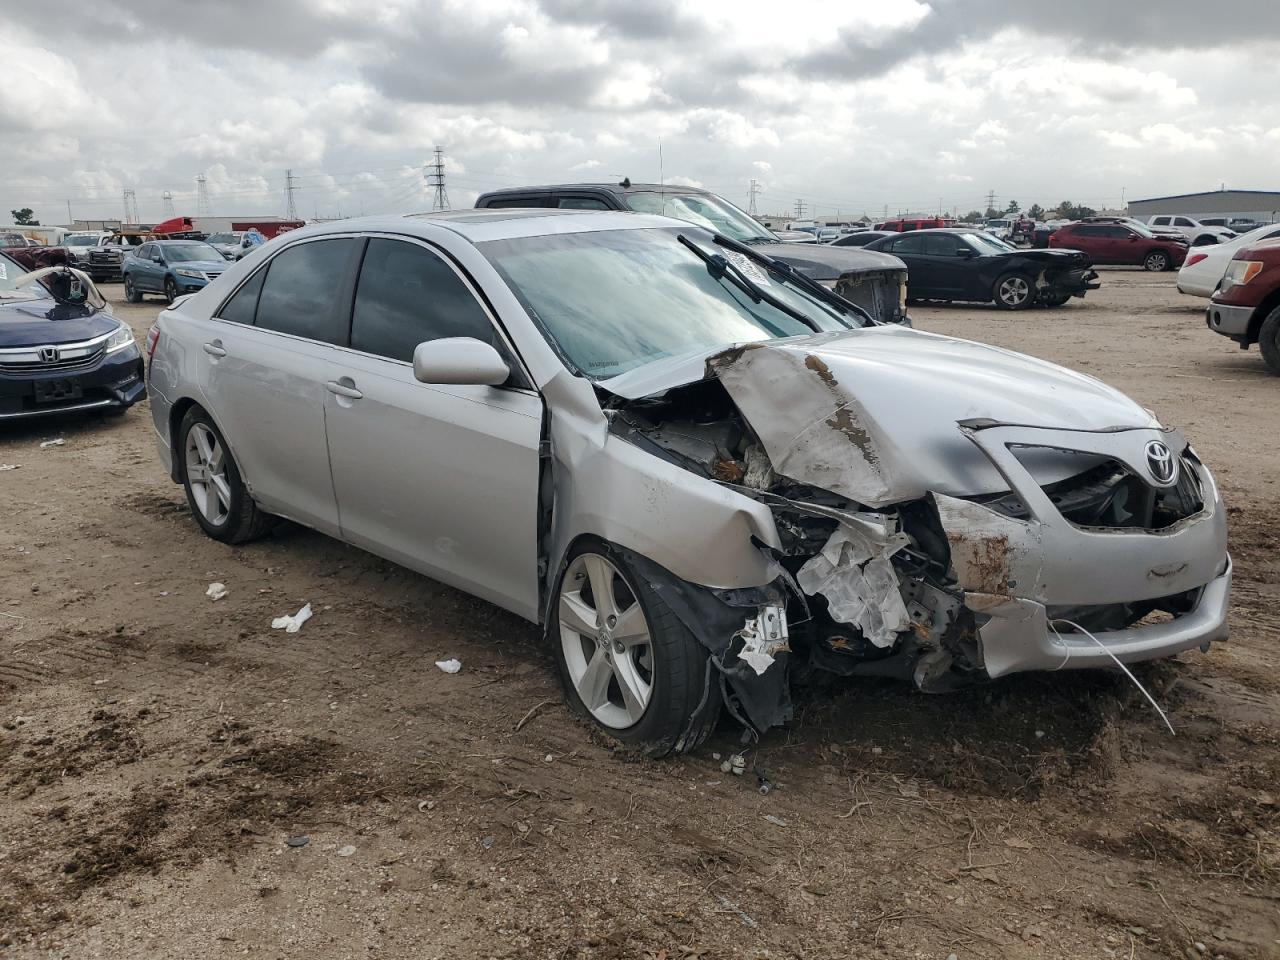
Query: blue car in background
(170, 268)
(61, 350)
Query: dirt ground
(179, 780)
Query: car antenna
(626, 183)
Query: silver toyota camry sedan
(696, 469)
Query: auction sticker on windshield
(747, 266)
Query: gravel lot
(158, 748)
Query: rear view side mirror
(460, 361)
(965, 252)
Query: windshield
(614, 300)
(175, 253)
(704, 210)
(10, 270)
(1139, 227)
(222, 238)
(987, 244)
(82, 240)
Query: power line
(440, 200)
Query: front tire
(1056, 299)
(130, 291)
(216, 494)
(626, 660)
(1269, 341)
(1156, 261)
(1013, 291)
(170, 290)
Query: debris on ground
(449, 666)
(216, 591)
(46, 444)
(776, 821)
(292, 624)
(346, 851)
(299, 841)
(9, 466)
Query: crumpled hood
(821, 261)
(872, 414)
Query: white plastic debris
(346, 851)
(854, 573)
(763, 637)
(292, 624)
(216, 591)
(46, 444)
(9, 466)
(449, 666)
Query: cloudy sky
(857, 106)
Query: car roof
(504, 223)
(608, 187)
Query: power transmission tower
(167, 197)
(70, 219)
(435, 177)
(202, 195)
(991, 199)
(751, 197)
(290, 210)
(130, 205)
(799, 209)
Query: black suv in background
(876, 282)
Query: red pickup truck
(1246, 305)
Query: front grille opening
(1110, 496)
(1101, 617)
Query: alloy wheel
(1156, 262)
(606, 642)
(207, 474)
(1014, 291)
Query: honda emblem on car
(1161, 463)
(48, 354)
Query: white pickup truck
(1197, 233)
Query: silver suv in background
(691, 465)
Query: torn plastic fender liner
(853, 571)
(992, 553)
(716, 618)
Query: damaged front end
(940, 552)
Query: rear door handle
(214, 349)
(347, 390)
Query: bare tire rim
(606, 641)
(1014, 291)
(207, 474)
(1156, 262)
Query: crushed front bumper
(1013, 571)
(1075, 283)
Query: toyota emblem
(1161, 463)
(49, 354)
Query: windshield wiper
(719, 266)
(792, 275)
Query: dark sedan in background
(953, 264)
(61, 350)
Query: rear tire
(1269, 341)
(218, 498)
(1013, 291)
(609, 627)
(130, 291)
(1156, 261)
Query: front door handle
(341, 389)
(214, 349)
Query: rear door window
(243, 304)
(302, 290)
(943, 245)
(406, 295)
(1182, 222)
(911, 244)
